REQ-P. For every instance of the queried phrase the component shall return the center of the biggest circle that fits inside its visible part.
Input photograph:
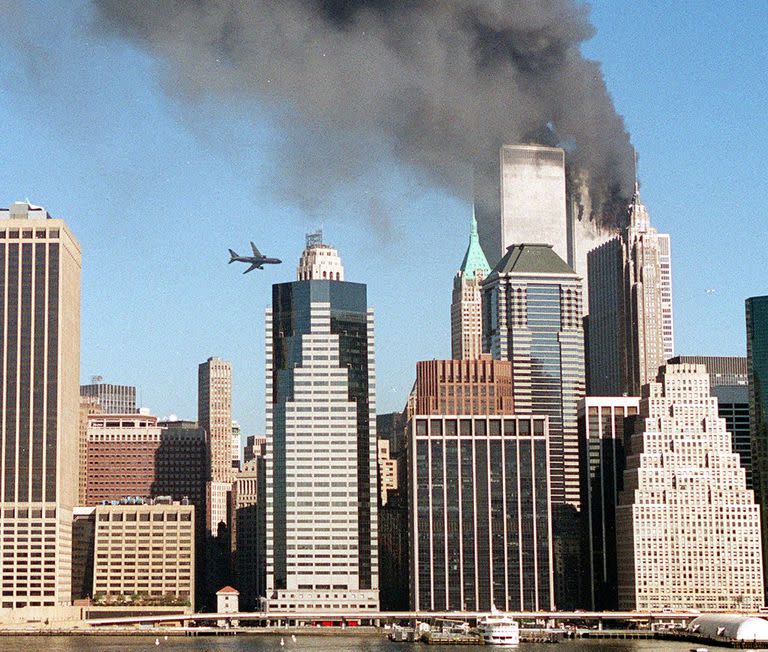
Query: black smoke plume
(437, 84)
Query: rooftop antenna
(95, 380)
(637, 186)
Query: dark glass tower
(757, 371)
(321, 441)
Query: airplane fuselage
(256, 261)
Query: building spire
(474, 259)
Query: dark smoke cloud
(437, 84)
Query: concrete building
(477, 386)
(728, 380)
(39, 410)
(466, 304)
(523, 197)
(532, 316)
(687, 528)
(480, 520)
(248, 532)
(144, 554)
(236, 447)
(112, 399)
(605, 423)
(254, 446)
(392, 427)
(227, 602)
(387, 471)
(630, 326)
(132, 455)
(757, 371)
(214, 415)
(88, 405)
(321, 442)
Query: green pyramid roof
(474, 259)
(531, 259)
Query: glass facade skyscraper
(480, 513)
(321, 442)
(757, 372)
(532, 315)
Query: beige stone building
(145, 553)
(687, 528)
(387, 470)
(214, 414)
(39, 388)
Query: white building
(687, 528)
(321, 521)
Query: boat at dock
(499, 629)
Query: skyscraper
(214, 414)
(532, 315)
(480, 513)
(523, 196)
(39, 404)
(321, 440)
(687, 528)
(630, 327)
(757, 370)
(466, 305)
(112, 399)
(728, 381)
(604, 427)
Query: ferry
(498, 629)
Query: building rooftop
(227, 589)
(474, 258)
(531, 258)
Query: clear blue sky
(156, 194)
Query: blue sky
(156, 193)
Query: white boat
(498, 629)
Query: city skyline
(157, 195)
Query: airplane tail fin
(232, 256)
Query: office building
(687, 528)
(757, 371)
(728, 381)
(144, 554)
(214, 415)
(248, 532)
(88, 405)
(39, 406)
(466, 304)
(83, 527)
(523, 196)
(480, 519)
(630, 326)
(477, 386)
(236, 447)
(112, 399)
(254, 446)
(605, 422)
(532, 316)
(387, 467)
(391, 426)
(321, 441)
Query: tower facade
(466, 305)
(757, 371)
(532, 316)
(214, 415)
(321, 446)
(39, 404)
(630, 326)
(687, 528)
(111, 399)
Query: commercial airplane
(257, 260)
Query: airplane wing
(252, 267)
(256, 251)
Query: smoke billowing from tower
(438, 84)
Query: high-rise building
(757, 370)
(387, 466)
(478, 386)
(728, 381)
(321, 441)
(687, 528)
(523, 196)
(112, 399)
(40, 356)
(88, 405)
(466, 305)
(532, 316)
(605, 423)
(214, 415)
(480, 513)
(630, 327)
(248, 532)
(254, 446)
(133, 455)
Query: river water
(308, 643)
